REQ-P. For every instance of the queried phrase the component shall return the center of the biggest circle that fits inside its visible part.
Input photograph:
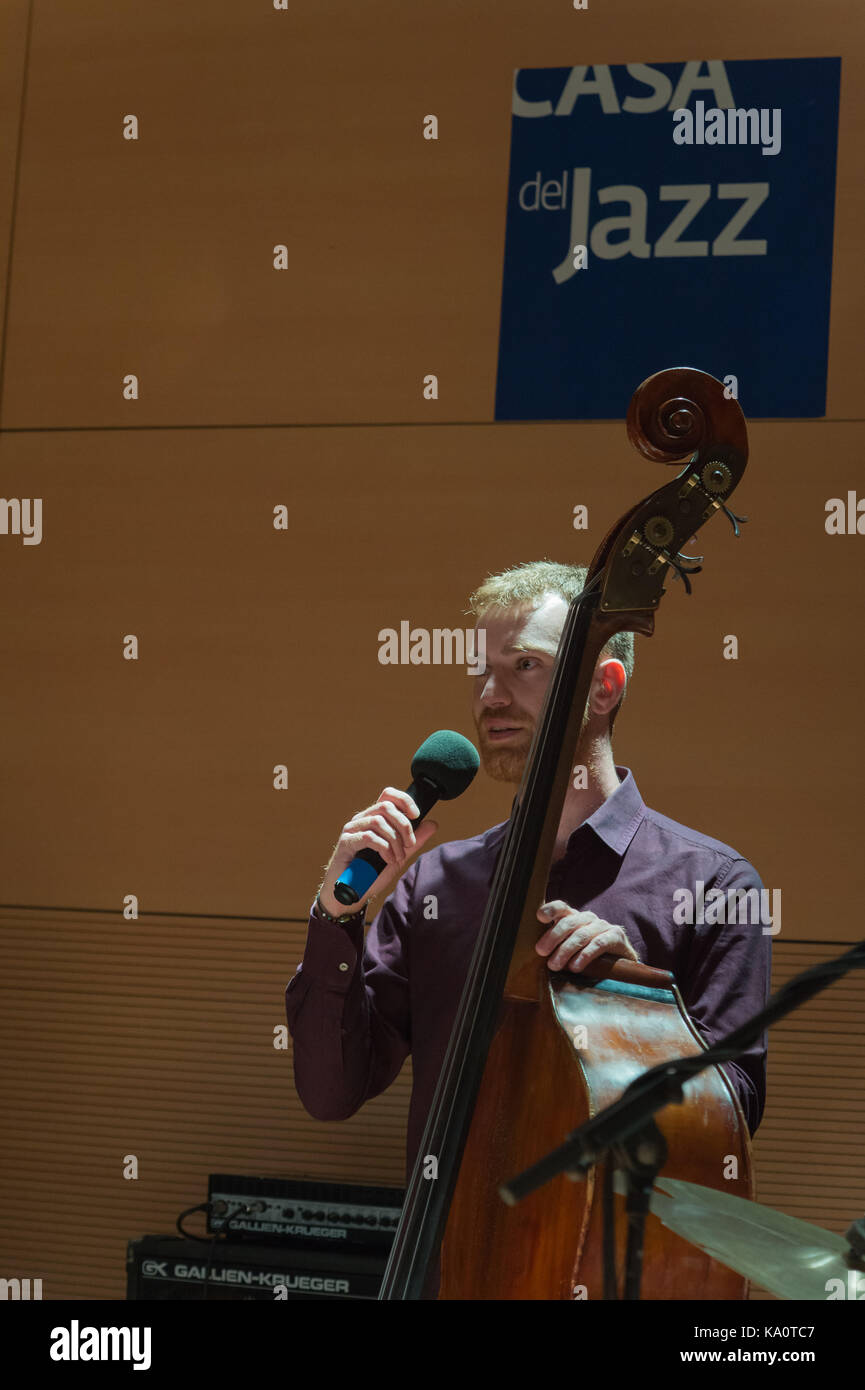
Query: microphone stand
(625, 1133)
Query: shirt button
(343, 965)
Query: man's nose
(493, 690)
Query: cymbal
(791, 1258)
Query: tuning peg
(734, 520)
(680, 572)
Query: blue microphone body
(360, 875)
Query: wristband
(343, 918)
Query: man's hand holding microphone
(386, 828)
(376, 845)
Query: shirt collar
(615, 821)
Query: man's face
(521, 645)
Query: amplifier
(169, 1268)
(305, 1214)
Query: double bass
(534, 1053)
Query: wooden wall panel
(155, 1039)
(303, 128)
(260, 647)
(14, 33)
(808, 1151)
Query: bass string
(487, 955)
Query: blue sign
(675, 215)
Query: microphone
(442, 768)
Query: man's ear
(608, 686)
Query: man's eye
(527, 663)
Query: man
(355, 1013)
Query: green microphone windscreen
(448, 760)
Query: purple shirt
(355, 1012)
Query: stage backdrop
(651, 209)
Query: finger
(555, 936)
(366, 839)
(400, 822)
(566, 924)
(387, 849)
(606, 942)
(380, 826)
(400, 799)
(569, 947)
(548, 912)
(555, 908)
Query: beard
(504, 762)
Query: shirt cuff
(332, 952)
